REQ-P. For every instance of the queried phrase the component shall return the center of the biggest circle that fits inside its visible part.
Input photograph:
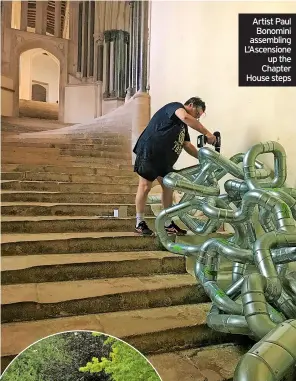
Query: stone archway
(24, 41)
(39, 79)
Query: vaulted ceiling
(50, 15)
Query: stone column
(41, 17)
(6, 67)
(96, 42)
(73, 37)
(57, 19)
(6, 7)
(85, 38)
(99, 56)
(24, 15)
(134, 48)
(122, 76)
(113, 62)
(148, 47)
(120, 63)
(126, 63)
(73, 24)
(130, 52)
(80, 35)
(91, 31)
(143, 47)
(107, 37)
(138, 32)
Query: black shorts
(150, 170)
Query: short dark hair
(197, 102)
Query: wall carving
(19, 39)
(99, 38)
(61, 47)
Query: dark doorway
(38, 93)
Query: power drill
(202, 140)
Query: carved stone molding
(45, 42)
(112, 35)
(99, 38)
(19, 39)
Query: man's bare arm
(190, 149)
(192, 122)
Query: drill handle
(202, 140)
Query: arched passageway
(39, 77)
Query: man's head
(195, 106)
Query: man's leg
(167, 194)
(167, 201)
(144, 188)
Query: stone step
(92, 242)
(51, 209)
(210, 363)
(149, 330)
(16, 157)
(71, 170)
(82, 242)
(67, 197)
(64, 177)
(65, 224)
(12, 175)
(35, 301)
(105, 144)
(55, 138)
(116, 154)
(16, 125)
(68, 267)
(57, 152)
(68, 187)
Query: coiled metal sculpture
(260, 304)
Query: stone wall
(7, 94)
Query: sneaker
(174, 229)
(143, 229)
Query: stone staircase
(68, 264)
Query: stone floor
(36, 110)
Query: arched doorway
(57, 51)
(39, 84)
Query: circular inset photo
(80, 356)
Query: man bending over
(158, 149)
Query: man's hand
(211, 138)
